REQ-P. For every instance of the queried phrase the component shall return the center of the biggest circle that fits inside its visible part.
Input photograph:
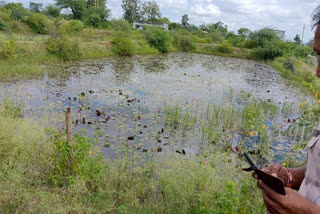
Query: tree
(81, 9)
(185, 20)
(131, 10)
(52, 10)
(150, 11)
(35, 7)
(17, 11)
(297, 39)
(244, 32)
(78, 7)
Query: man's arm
(298, 175)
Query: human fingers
(254, 175)
(272, 207)
(271, 194)
(259, 184)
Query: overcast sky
(287, 15)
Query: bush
(71, 27)
(52, 10)
(122, 45)
(7, 49)
(96, 16)
(263, 36)
(216, 36)
(17, 11)
(84, 166)
(121, 25)
(225, 47)
(5, 21)
(302, 51)
(158, 38)
(289, 64)
(250, 44)
(64, 48)
(270, 51)
(183, 40)
(39, 23)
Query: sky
(288, 15)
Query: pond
(131, 100)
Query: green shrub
(17, 11)
(289, 64)
(158, 38)
(7, 49)
(263, 36)
(270, 51)
(84, 165)
(216, 36)
(39, 23)
(183, 40)
(52, 10)
(302, 51)
(250, 44)
(71, 27)
(5, 21)
(225, 47)
(122, 46)
(65, 48)
(121, 25)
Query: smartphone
(273, 182)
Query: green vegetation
(158, 38)
(122, 45)
(35, 172)
(35, 176)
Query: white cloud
(202, 10)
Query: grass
(29, 157)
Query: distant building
(280, 33)
(139, 25)
(2, 3)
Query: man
(305, 179)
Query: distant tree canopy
(52, 10)
(93, 10)
(16, 10)
(150, 11)
(244, 32)
(297, 39)
(35, 7)
(185, 20)
(147, 11)
(131, 10)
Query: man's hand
(291, 203)
(275, 170)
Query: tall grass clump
(7, 49)
(158, 38)
(65, 48)
(122, 46)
